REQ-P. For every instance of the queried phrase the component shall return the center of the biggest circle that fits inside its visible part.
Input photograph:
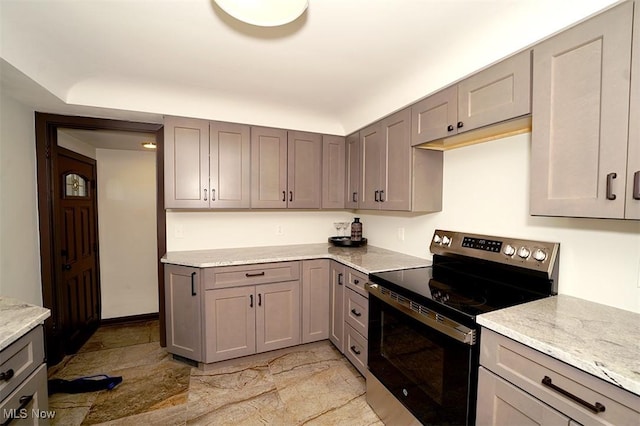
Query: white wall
(19, 242)
(67, 141)
(226, 229)
(127, 232)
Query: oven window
(429, 372)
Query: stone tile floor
(310, 384)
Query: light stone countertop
(365, 259)
(595, 338)
(17, 319)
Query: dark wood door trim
(46, 146)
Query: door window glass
(75, 186)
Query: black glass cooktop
(464, 289)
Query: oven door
(428, 362)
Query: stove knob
(539, 255)
(437, 239)
(524, 252)
(446, 241)
(509, 250)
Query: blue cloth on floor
(84, 384)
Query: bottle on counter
(356, 230)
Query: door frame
(46, 129)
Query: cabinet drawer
(21, 359)
(29, 403)
(356, 281)
(356, 311)
(526, 368)
(261, 273)
(356, 349)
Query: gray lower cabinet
(393, 175)
(495, 94)
(207, 164)
(183, 311)
(584, 154)
(349, 314)
(336, 304)
(315, 300)
(23, 387)
(519, 385)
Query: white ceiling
(342, 65)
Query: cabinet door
(352, 177)
(435, 117)
(501, 403)
(35, 388)
(496, 94)
(183, 299)
(268, 168)
(370, 154)
(632, 207)
(230, 165)
(278, 316)
(186, 163)
(336, 305)
(580, 118)
(304, 171)
(315, 300)
(230, 323)
(395, 189)
(333, 172)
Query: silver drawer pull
(597, 408)
(258, 274)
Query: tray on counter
(347, 242)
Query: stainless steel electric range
(423, 336)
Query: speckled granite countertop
(595, 338)
(17, 318)
(365, 259)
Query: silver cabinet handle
(213, 195)
(205, 195)
(636, 185)
(610, 178)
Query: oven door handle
(424, 315)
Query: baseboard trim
(130, 319)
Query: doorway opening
(63, 333)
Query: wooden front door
(76, 257)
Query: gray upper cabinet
(333, 172)
(370, 170)
(207, 165)
(352, 172)
(286, 169)
(186, 163)
(268, 168)
(304, 174)
(632, 205)
(229, 165)
(580, 119)
(435, 117)
(395, 176)
(498, 93)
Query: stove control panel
(536, 255)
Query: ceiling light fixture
(264, 13)
(149, 145)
